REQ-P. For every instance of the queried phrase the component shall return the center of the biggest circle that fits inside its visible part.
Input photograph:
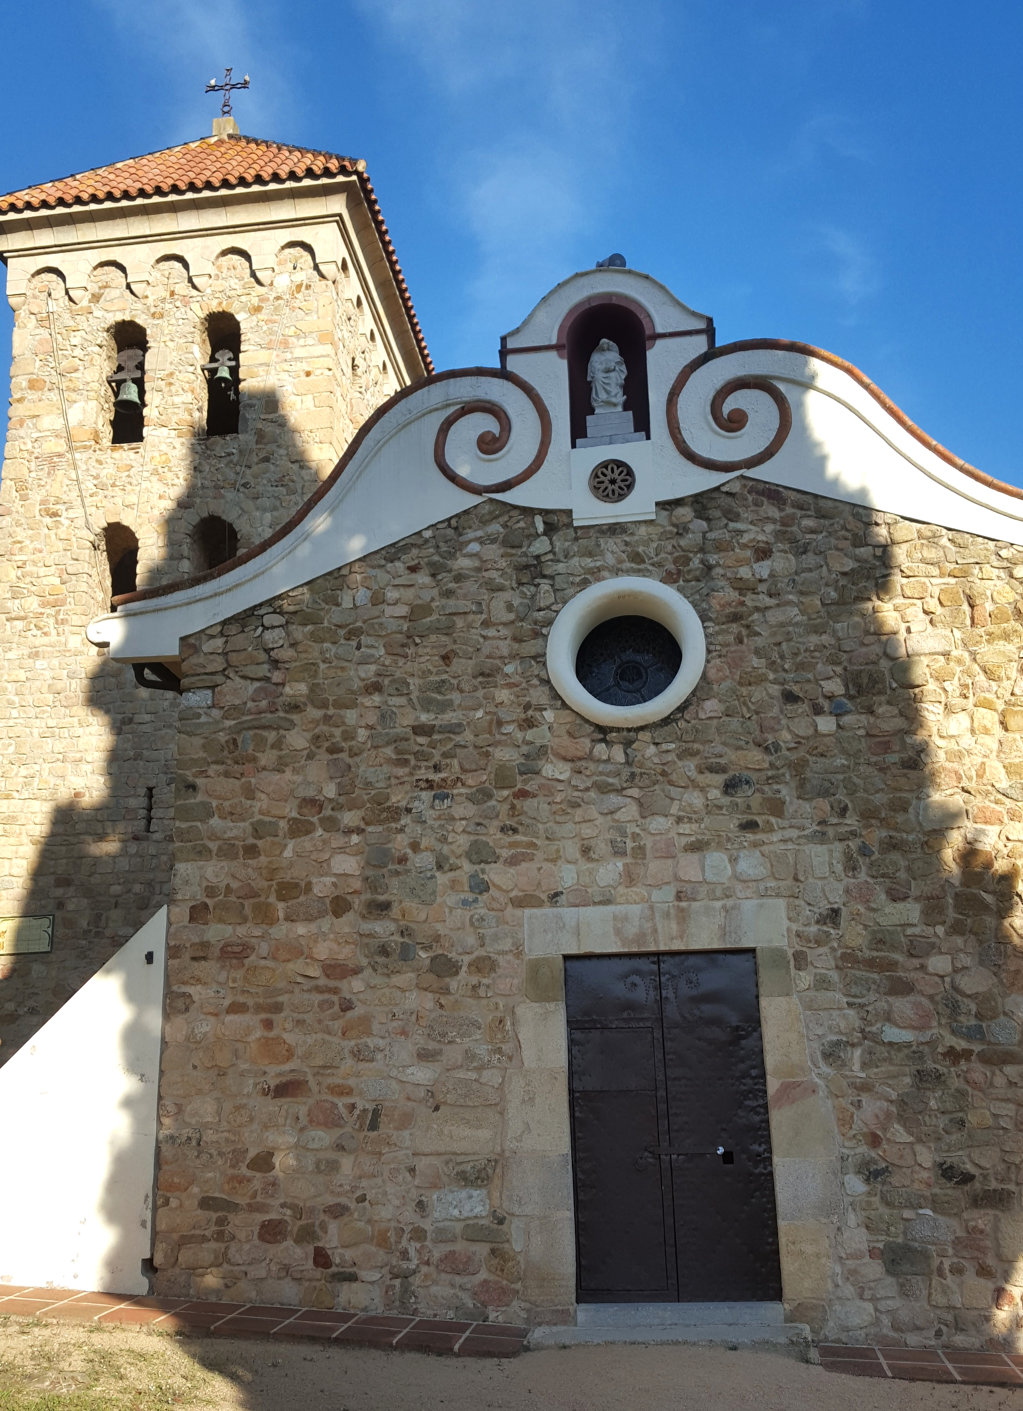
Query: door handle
(646, 1158)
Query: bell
(222, 377)
(127, 399)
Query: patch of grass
(49, 1401)
(63, 1367)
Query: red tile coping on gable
(191, 1317)
(213, 164)
(786, 345)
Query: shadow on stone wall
(814, 762)
(914, 778)
(103, 867)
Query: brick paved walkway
(925, 1364)
(179, 1315)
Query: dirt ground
(124, 1368)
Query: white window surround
(625, 597)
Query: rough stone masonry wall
(383, 784)
(80, 744)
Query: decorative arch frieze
(296, 257)
(47, 281)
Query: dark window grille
(628, 661)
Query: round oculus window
(628, 660)
(626, 652)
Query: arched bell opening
(623, 327)
(223, 374)
(122, 550)
(128, 383)
(214, 541)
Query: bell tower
(199, 333)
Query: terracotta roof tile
(210, 164)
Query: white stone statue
(605, 373)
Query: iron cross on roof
(226, 88)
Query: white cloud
(525, 210)
(822, 138)
(842, 264)
(562, 53)
(538, 95)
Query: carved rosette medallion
(612, 482)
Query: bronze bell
(127, 399)
(222, 378)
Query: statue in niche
(606, 375)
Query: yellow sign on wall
(25, 935)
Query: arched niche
(122, 549)
(296, 257)
(234, 263)
(581, 332)
(107, 276)
(48, 279)
(46, 284)
(170, 272)
(214, 541)
(127, 414)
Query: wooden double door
(674, 1191)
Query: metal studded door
(672, 1152)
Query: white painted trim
(666, 310)
(625, 597)
(843, 444)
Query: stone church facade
(595, 846)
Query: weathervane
(226, 88)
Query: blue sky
(845, 172)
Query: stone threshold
(722, 1324)
(197, 1317)
(924, 1364)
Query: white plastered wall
(79, 1106)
